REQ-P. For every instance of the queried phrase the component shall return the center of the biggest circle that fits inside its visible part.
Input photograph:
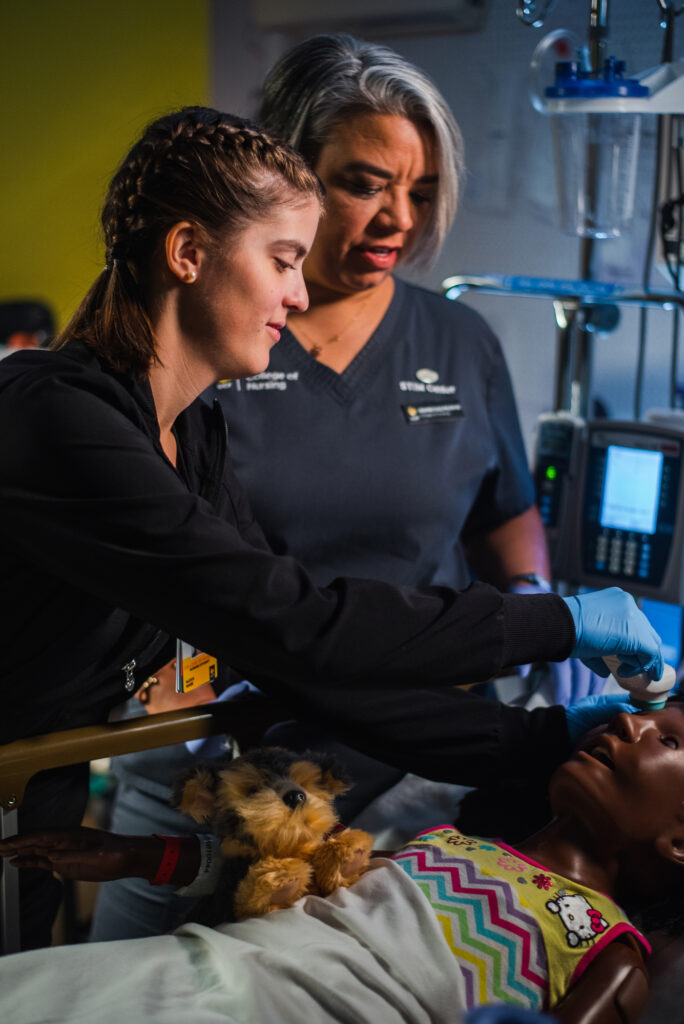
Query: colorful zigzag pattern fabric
(497, 941)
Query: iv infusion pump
(611, 496)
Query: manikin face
(239, 304)
(380, 176)
(626, 782)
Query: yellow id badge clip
(193, 667)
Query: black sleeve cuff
(537, 627)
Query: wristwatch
(533, 578)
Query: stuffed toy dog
(273, 813)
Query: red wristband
(169, 860)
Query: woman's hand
(589, 712)
(158, 693)
(87, 854)
(609, 622)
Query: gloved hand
(589, 712)
(609, 622)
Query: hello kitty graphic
(582, 923)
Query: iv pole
(581, 307)
(668, 128)
(583, 340)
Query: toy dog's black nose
(294, 797)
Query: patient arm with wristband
(91, 855)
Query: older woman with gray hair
(402, 410)
(390, 411)
(332, 79)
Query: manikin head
(623, 791)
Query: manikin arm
(612, 990)
(92, 855)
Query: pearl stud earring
(190, 276)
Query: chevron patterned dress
(522, 934)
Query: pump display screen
(631, 489)
(623, 521)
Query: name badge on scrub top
(194, 668)
(432, 412)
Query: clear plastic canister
(596, 153)
(596, 159)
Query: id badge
(194, 668)
(431, 412)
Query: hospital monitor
(611, 496)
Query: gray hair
(318, 83)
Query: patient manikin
(397, 946)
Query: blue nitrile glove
(506, 1015)
(589, 712)
(609, 622)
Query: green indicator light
(551, 473)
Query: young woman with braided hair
(251, 175)
(123, 527)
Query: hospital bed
(246, 719)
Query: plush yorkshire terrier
(273, 813)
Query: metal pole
(598, 32)
(584, 342)
(566, 313)
(10, 937)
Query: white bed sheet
(370, 954)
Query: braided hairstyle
(217, 171)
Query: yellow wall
(79, 79)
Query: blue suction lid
(572, 82)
